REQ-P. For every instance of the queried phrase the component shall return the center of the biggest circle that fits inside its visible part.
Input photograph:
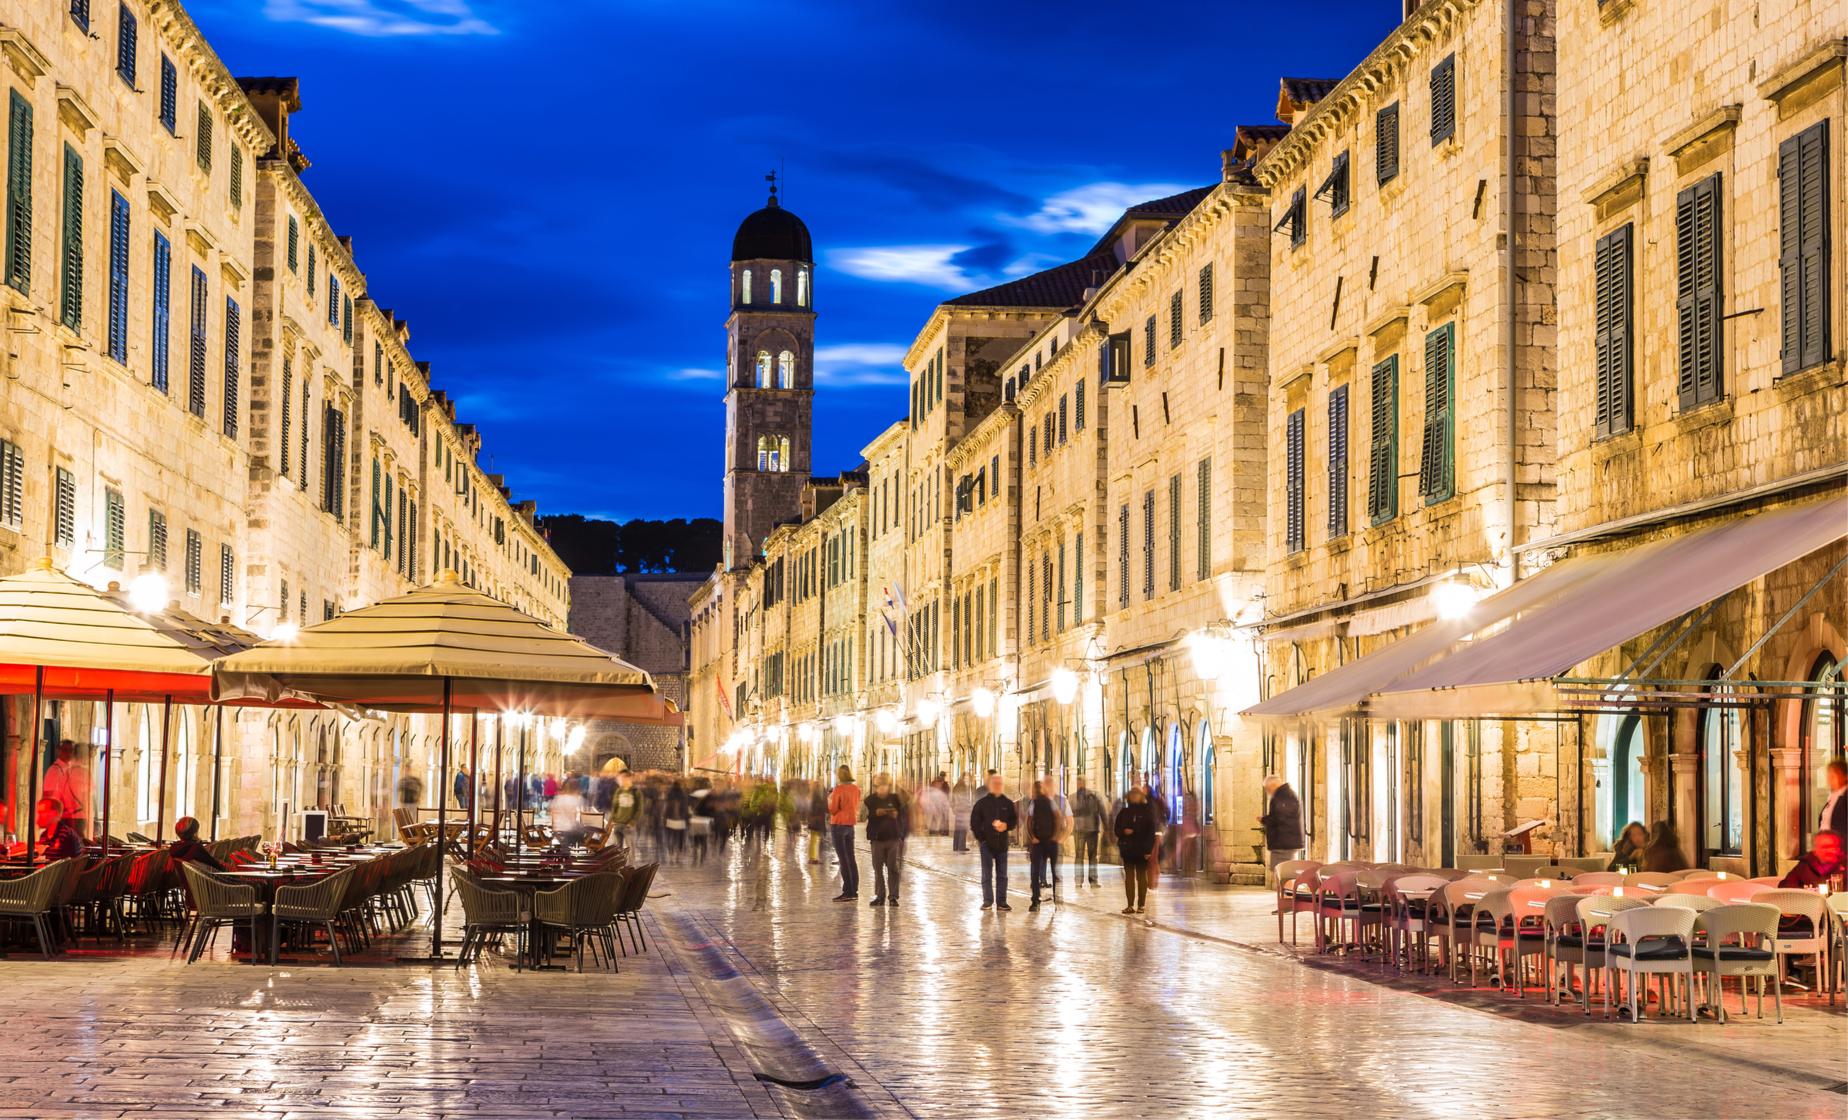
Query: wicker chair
(34, 898)
(634, 896)
(486, 916)
(583, 909)
(311, 906)
(219, 903)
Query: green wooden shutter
(1697, 293)
(118, 277)
(378, 514)
(157, 539)
(1444, 100)
(12, 484)
(1338, 461)
(1803, 248)
(237, 177)
(1613, 340)
(1383, 443)
(195, 374)
(295, 235)
(1174, 319)
(202, 144)
(163, 312)
(1174, 532)
(1078, 578)
(1386, 143)
(1293, 483)
(287, 399)
(1148, 544)
(1148, 341)
(114, 528)
(1436, 472)
(70, 292)
(1206, 292)
(1123, 555)
(1204, 528)
(169, 95)
(19, 192)
(64, 508)
(232, 378)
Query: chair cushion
(1340, 904)
(1577, 941)
(1735, 953)
(1653, 949)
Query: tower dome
(772, 234)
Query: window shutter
(1174, 320)
(304, 436)
(1614, 312)
(1174, 532)
(1078, 578)
(1046, 589)
(125, 45)
(1064, 413)
(1697, 293)
(1032, 595)
(333, 297)
(1386, 143)
(1383, 443)
(114, 529)
(1803, 248)
(195, 561)
(1123, 555)
(12, 484)
(70, 301)
(295, 235)
(1293, 483)
(1061, 595)
(232, 326)
(378, 515)
(227, 575)
(195, 388)
(1444, 100)
(118, 277)
(1148, 544)
(1078, 405)
(1206, 292)
(346, 318)
(237, 177)
(163, 313)
(157, 539)
(1148, 342)
(169, 95)
(1435, 472)
(19, 192)
(1338, 462)
(202, 145)
(288, 395)
(64, 508)
(311, 272)
(1204, 528)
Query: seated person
(1820, 864)
(188, 849)
(59, 836)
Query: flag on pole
(718, 683)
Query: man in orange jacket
(843, 812)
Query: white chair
(1810, 907)
(1652, 882)
(1740, 941)
(1521, 928)
(1409, 909)
(1737, 890)
(1295, 892)
(1599, 879)
(1651, 941)
(1564, 943)
(1699, 903)
(1594, 914)
(1337, 908)
(1838, 906)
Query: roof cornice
(178, 28)
(1379, 70)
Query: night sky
(547, 189)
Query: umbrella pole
(474, 775)
(442, 827)
(166, 729)
(218, 753)
(500, 773)
(108, 749)
(519, 792)
(32, 775)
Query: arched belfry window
(785, 370)
(776, 285)
(744, 287)
(763, 369)
(773, 453)
(802, 292)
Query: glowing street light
(284, 632)
(574, 742)
(887, 721)
(147, 592)
(1454, 599)
(843, 725)
(983, 701)
(1064, 685)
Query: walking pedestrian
(1134, 830)
(843, 812)
(884, 811)
(625, 806)
(1283, 824)
(1046, 823)
(992, 818)
(962, 799)
(1087, 823)
(815, 815)
(674, 819)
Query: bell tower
(769, 377)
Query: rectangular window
(1614, 303)
(169, 96)
(12, 485)
(1174, 533)
(232, 325)
(1293, 483)
(227, 575)
(114, 528)
(1148, 544)
(1444, 100)
(311, 272)
(236, 162)
(1337, 462)
(1033, 445)
(333, 298)
(346, 319)
(994, 613)
(1123, 555)
(1078, 405)
(304, 436)
(1148, 342)
(1386, 144)
(64, 508)
(125, 44)
(80, 13)
(1803, 248)
(195, 562)
(118, 277)
(1383, 443)
(1206, 292)
(70, 275)
(1061, 595)
(1078, 578)
(19, 192)
(1174, 320)
(295, 235)
(157, 540)
(202, 143)
(378, 506)
(1295, 219)
(288, 393)
(1697, 293)
(1436, 466)
(1046, 590)
(195, 374)
(1204, 517)
(333, 469)
(1063, 415)
(1334, 189)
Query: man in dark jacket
(992, 819)
(1283, 823)
(1046, 823)
(1087, 823)
(59, 836)
(884, 812)
(1134, 829)
(188, 849)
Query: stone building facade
(645, 620)
(200, 387)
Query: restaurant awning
(1509, 670)
(395, 655)
(1500, 658)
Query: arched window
(1824, 740)
(776, 285)
(1721, 787)
(1176, 776)
(1208, 812)
(772, 453)
(802, 293)
(763, 369)
(744, 287)
(783, 453)
(786, 370)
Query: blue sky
(547, 190)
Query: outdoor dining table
(529, 884)
(266, 880)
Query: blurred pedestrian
(843, 813)
(1627, 853)
(674, 811)
(962, 799)
(1283, 824)
(1663, 852)
(993, 819)
(884, 811)
(1046, 825)
(1087, 824)
(1820, 865)
(1134, 830)
(625, 806)
(817, 819)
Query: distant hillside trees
(593, 546)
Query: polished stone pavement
(933, 1008)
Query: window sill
(1811, 378)
(1611, 446)
(1706, 415)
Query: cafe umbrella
(443, 649)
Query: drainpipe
(1510, 373)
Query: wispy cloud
(1090, 208)
(383, 18)
(695, 373)
(931, 265)
(851, 365)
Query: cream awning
(1509, 670)
(396, 655)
